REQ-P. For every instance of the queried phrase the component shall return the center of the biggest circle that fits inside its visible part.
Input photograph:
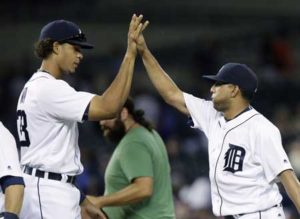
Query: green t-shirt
(140, 153)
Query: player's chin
(214, 102)
(72, 71)
(216, 105)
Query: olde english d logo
(234, 158)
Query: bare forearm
(118, 91)
(14, 198)
(296, 200)
(128, 195)
(110, 103)
(163, 83)
(293, 192)
(292, 186)
(160, 79)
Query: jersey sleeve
(136, 161)
(61, 101)
(201, 112)
(271, 152)
(9, 160)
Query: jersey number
(22, 128)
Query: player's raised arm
(160, 79)
(111, 101)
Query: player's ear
(56, 47)
(235, 91)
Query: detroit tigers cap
(65, 32)
(238, 74)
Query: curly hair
(43, 48)
(138, 115)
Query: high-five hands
(141, 43)
(136, 28)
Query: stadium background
(189, 38)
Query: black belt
(240, 215)
(43, 174)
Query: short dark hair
(43, 48)
(138, 115)
(248, 95)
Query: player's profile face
(70, 57)
(220, 96)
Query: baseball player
(11, 181)
(246, 156)
(47, 115)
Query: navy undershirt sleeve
(85, 116)
(9, 215)
(10, 180)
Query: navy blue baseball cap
(65, 32)
(237, 74)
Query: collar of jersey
(41, 74)
(237, 120)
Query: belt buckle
(64, 178)
(46, 175)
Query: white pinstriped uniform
(47, 115)
(9, 160)
(245, 157)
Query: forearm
(129, 195)
(160, 79)
(118, 91)
(14, 198)
(163, 83)
(293, 192)
(292, 186)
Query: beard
(220, 106)
(115, 134)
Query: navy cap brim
(213, 78)
(83, 45)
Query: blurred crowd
(278, 97)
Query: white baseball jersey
(9, 160)
(47, 114)
(245, 157)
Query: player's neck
(51, 69)
(235, 111)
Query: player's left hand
(136, 27)
(141, 44)
(89, 211)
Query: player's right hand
(136, 28)
(141, 44)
